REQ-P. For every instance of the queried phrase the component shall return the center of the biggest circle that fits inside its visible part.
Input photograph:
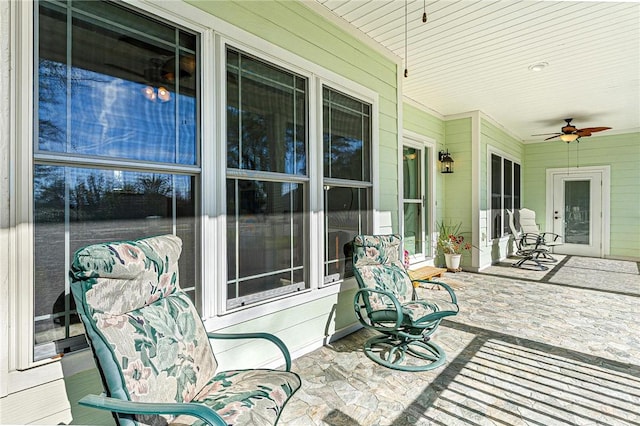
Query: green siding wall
(458, 191)
(622, 153)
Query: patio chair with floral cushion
(151, 348)
(388, 303)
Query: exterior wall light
(446, 162)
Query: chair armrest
(531, 239)
(129, 407)
(268, 336)
(365, 293)
(443, 285)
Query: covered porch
(528, 347)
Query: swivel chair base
(392, 352)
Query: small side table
(425, 273)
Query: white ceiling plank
(475, 54)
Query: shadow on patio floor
(558, 347)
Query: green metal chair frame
(137, 317)
(388, 303)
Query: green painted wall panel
(622, 153)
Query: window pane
(516, 186)
(507, 194)
(496, 196)
(347, 214)
(266, 241)
(266, 117)
(347, 137)
(121, 85)
(111, 92)
(78, 206)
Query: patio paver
(556, 347)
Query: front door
(578, 211)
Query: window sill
(223, 321)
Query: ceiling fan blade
(553, 137)
(593, 129)
(547, 134)
(587, 131)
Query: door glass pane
(412, 189)
(411, 168)
(412, 228)
(577, 199)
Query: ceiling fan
(569, 132)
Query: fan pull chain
(424, 11)
(406, 58)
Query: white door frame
(427, 145)
(605, 174)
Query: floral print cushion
(416, 310)
(376, 249)
(163, 353)
(251, 397)
(378, 265)
(128, 275)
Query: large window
(505, 193)
(267, 182)
(347, 178)
(116, 147)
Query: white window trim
(216, 313)
(364, 95)
(428, 145)
(492, 150)
(21, 259)
(214, 33)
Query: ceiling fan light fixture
(163, 94)
(570, 137)
(149, 93)
(538, 66)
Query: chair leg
(530, 257)
(391, 352)
(546, 256)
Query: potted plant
(452, 244)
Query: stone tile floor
(556, 347)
